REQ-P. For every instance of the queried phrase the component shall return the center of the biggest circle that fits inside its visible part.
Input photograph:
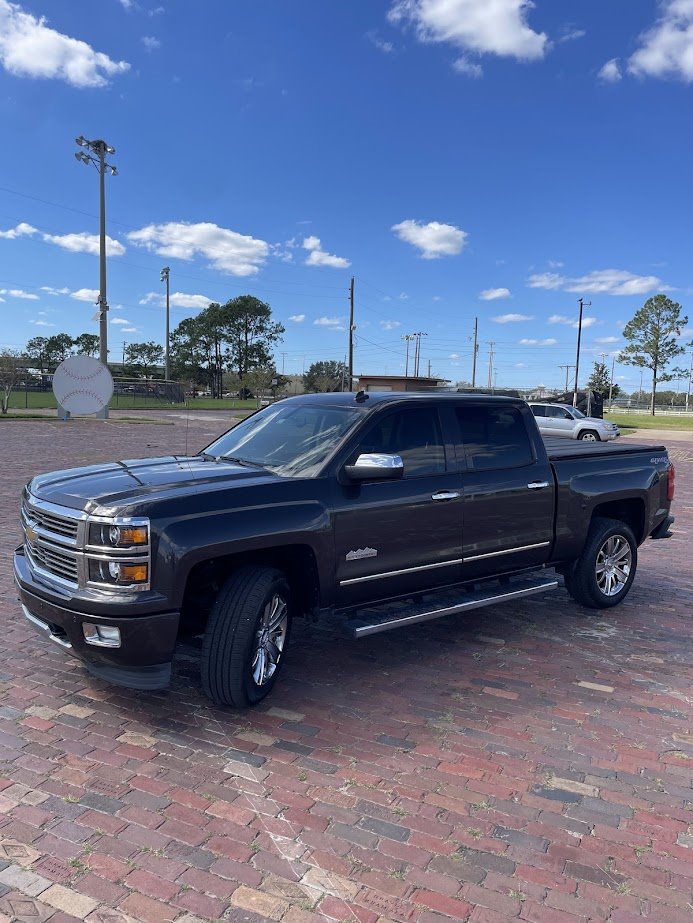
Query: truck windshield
(292, 440)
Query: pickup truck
(379, 509)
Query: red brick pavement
(530, 761)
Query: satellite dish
(82, 385)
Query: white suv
(564, 420)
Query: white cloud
(228, 251)
(601, 281)
(49, 290)
(570, 34)
(19, 293)
(119, 321)
(560, 319)
(520, 365)
(433, 239)
(29, 48)
(610, 72)
(85, 243)
(477, 26)
(390, 324)
(318, 257)
(571, 321)
(129, 329)
(464, 66)
(492, 294)
(41, 323)
(666, 48)
(586, 322)
(512, 318)
(151, 42)
(297, 318)
(86, 294)
(177, 300)
(22, 230)
(380, 44)
(607, 340)
(454, 356)
(547, 342)
(332, 323)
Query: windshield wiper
(240, 461)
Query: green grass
(44, 400)
(631, 422)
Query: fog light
(101, 635)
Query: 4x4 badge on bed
(362, 553)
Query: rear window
(538, 410)
(494, 437)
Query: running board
(434, 605)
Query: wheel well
(207, 578)
(631, 511)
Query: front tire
(589, 435)
(246, 637)
(603, 574)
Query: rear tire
(589, 435)
(603, 574)
(246, 637)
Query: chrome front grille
(59, 562)
(51, 522)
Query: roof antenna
(361, 396)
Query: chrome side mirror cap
(375, 466)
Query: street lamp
(165, 273)
(94, 152)
(577, 357)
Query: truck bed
(558, 447)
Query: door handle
(445, 495)
(537, 485)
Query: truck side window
(413, 434)
(494, 437)
(538, 410)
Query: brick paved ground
(527, 762)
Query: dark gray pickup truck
(336, 503)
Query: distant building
(398, 383)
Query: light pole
(97, 156)
(165, 273)
(577, 357)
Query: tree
(10, 372)
(328, 375)
(250, 334)
(87, 344)
(236, 336)
(653, 333)
(36, 352)
(141, 358)
(600, 381)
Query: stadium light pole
(577, 357)
(97, 156)
(165, 273)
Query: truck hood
(126, 482)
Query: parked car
(564, 420)
(381, 509)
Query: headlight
(118, 573)
(119, 533)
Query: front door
(394, 537)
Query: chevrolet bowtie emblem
(31, 533)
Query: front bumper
(147, 642)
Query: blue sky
(460, 161)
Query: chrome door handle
(445, 495)
(537, 485)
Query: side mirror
(375, 466)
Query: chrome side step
(434, 605)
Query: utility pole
(690, 375)
(283, 355)
(491, 344)
(475, 351)
(407, 337)
(97, 156)
(165, 273)
(429, 368)
(417, 352)
(351, 335)
(611, 380)
(577, 356)
(640, 391)
(123, 353)
(567, 369)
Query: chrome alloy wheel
(588, 437)
(613, 565)
(270, 639)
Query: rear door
(397, 536)
(508, 489)
(560, 421)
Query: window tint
(538, 410)
(558, 413)
(414, 435)
(494, 437)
